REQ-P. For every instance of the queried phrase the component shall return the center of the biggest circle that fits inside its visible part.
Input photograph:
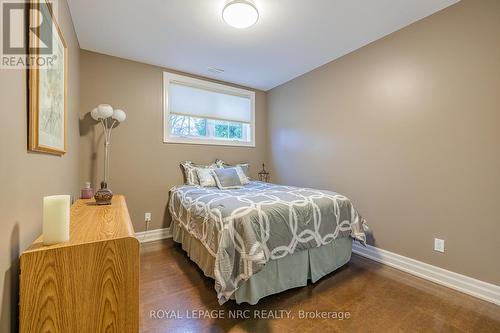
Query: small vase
(104, 195)
(87, 192)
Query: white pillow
(243, 178)
(205, 177)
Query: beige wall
(407, 127)
(143, 168)
(26, 177)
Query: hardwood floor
(378, 299)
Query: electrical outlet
(147, 217)
(438, 245)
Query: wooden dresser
(91, 283)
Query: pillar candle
(56, 219)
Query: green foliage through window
(187, 126)
(235, 131)
(221, 130)
(201, 127)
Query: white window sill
(192, 141)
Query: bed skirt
(278, 275)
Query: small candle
(56, 219)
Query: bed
(263, 238)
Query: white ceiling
(291, 37)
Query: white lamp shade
(119, 115)
(95, 114)
(104, 111)
(240, 13)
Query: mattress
(244, 229)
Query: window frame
(168, 78)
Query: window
(202, 112)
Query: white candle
(56, 219)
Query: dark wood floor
(378, 299)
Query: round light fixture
(240, 13)
(119, 115)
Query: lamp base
(104, 195)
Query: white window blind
(205, 103)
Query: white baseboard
(153, 235)
(483, 290)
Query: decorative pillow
(205, 177)
(241, 173)
(190, 174)
(227, 178)
(244, 166)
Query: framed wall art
(48, 81)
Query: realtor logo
(27, 34)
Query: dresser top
(90, 223)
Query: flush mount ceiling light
(240, 13)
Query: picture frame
(47, 85)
